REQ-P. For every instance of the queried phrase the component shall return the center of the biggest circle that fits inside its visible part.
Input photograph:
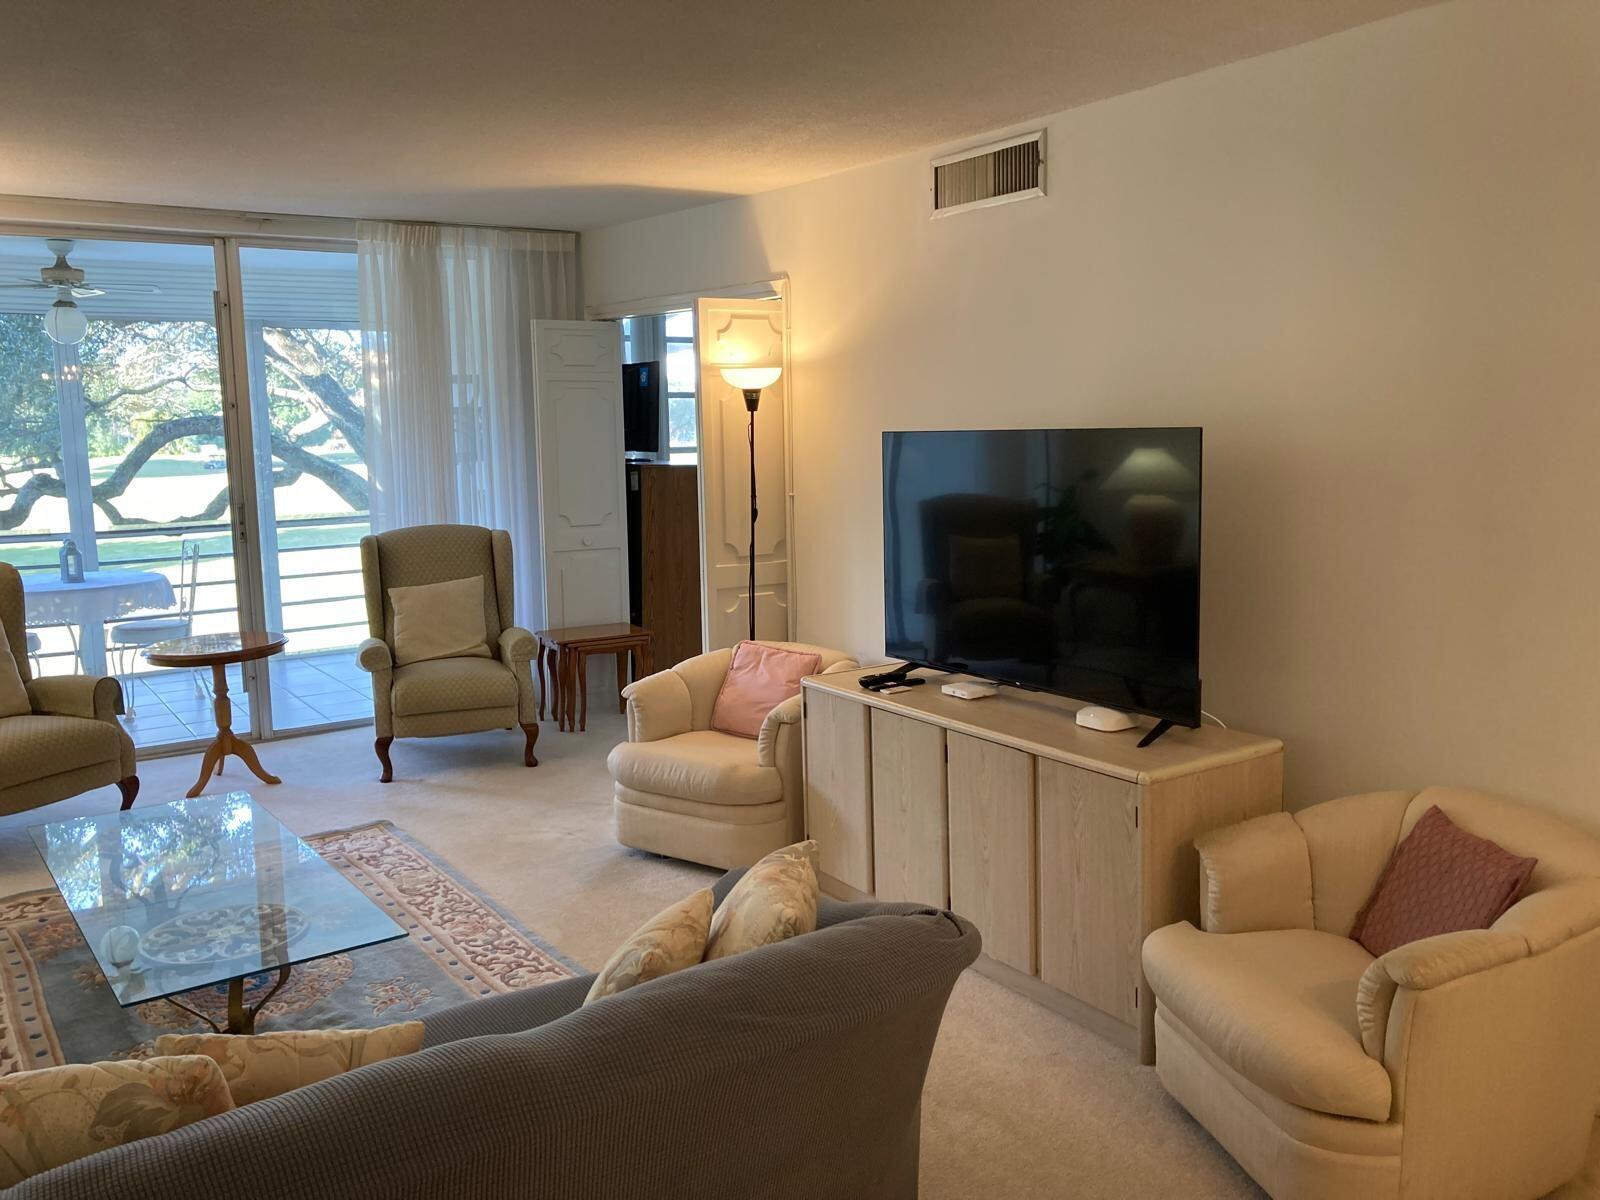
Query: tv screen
(1063, 560)
(641, 408)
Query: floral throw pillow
(53, 1116)
(259, 1065)
(776, 899)
(671, 940)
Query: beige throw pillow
(13, 695)
(53, 1116)
(776, 899)
(257, 1066)
(671, 940)
(439, 620)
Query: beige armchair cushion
(703, 765)
(1279, 1007)
(439, 620)
(38, 746)
(451, 685)
(1255, 875)
(1349, 842)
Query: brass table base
(241, 1018)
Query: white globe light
(65, 323)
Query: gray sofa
(794, 1071)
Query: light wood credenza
(1065, 846)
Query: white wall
(1369, 266)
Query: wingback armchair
(688, 791)
(446, 696)
(1464, 1066)
(71, 741)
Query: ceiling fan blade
(83, 293)
(26, 283)
(139, 289)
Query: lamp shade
(65, 323)
(1151, 469)
(751, 379)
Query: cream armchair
(687, 791)
(72, 740)
(1461, 1066)
(450, 695)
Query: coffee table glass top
(215, 888)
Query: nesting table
(564, 653)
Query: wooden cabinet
(910, 843)
(839, 789)
(664, 557)
(1065, 846)
(991, 845)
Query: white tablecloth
(102, 596)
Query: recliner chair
(445, 696)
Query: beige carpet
(1020, 1102)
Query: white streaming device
(969, 689)
(1106, 720)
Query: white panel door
(577, 370)
(742, 332)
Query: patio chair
(71, 741)
(444, 696)
(127, 638)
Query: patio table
(102, 596)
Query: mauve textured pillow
(1441, 879)
(759, 679)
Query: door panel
(991, 845)
(743, 332)
(582, 504)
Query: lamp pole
(751, 381)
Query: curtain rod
(171, 218)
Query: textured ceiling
(562, 115)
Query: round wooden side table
(218, 651)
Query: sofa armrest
(1255, 875)
(373, 655)
(658, 707)
(510, 1012)
(516, 645)
(95, 697)
(786, 712)
(1424, 965)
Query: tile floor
(167, 706)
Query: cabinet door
(839, 787)
(991, 845)
(910, 853)
(1089, 887)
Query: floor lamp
(750, 381)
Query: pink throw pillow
(1441, 879)
(759, 679)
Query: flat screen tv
(1061, 560)
(641, 408)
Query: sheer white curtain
(445, 315)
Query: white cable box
(969, 689)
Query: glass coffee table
(173, 897)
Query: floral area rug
(55, 1006)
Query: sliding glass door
(308, 423)
(124, 491)
(111, 456)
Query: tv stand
(1064, 845)
(1156, 731)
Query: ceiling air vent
(994, 174)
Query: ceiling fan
(65, 322)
